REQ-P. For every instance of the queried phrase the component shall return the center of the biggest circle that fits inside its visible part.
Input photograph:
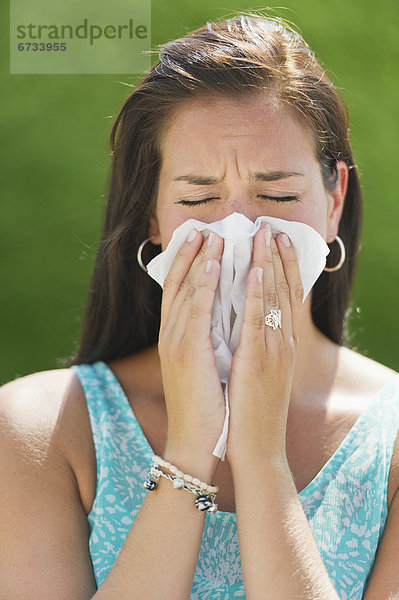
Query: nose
(243, 206)
(236, 199)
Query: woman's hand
(263, 363)
(193, 392)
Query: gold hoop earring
(341, 260)
(140, 250)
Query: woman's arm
(279, 556)
(160, 555)
(44, 534)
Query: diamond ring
(273, 319)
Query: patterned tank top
(345, 503)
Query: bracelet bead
(178, 483)
(184, 476)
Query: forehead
(256, 129)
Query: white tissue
(228, 307)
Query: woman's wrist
(199, 464)
(245, 465)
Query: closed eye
(275, 198)
(281, 198)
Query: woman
(236, 116)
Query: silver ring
(273, 319)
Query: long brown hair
(240, 55)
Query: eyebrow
(258, 176)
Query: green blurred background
(55, 163)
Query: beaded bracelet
(211, 489)
(204, 501)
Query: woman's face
(242, 155)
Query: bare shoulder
(37, 402)
(361, 377)
(31, 406)
(45, 418)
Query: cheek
(170, 216)
(314, 213)
(168, 221)
(312, 218)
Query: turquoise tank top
(345, 504)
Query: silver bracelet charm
(203, 502)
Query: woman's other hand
(193, 393)
(263, 364)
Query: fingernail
(268, 234)
(209, 265)
(211, 237)
(191, 236)
(259, 273)
(285, 240)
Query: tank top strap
(116, 431)
(123, 457)
(102, 398)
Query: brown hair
(240, 55)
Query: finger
(184, 280)
(263, 256)
(212, 248)
(283, 291)
(198, 322)
(293, 278)
(252, 335)
(178, 270)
